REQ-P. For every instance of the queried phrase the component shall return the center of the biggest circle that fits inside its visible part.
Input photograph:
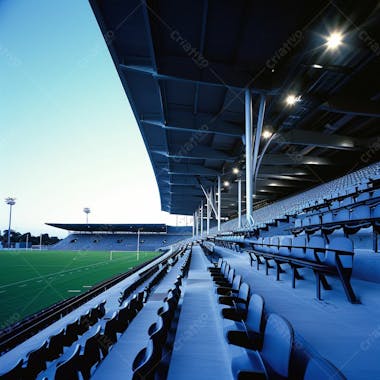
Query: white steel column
(196, 223)
(193, 225)
(202, 218)
(248, 154)
(219, 201)
(239, 202)
(208, 211)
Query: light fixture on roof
(235, 170)
(292, 99)
(316, 66)
(226, 183)
(267, 134)
(334, 40)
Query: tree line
(17, 237)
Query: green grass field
(33, 280)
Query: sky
(68, 137)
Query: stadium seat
(91, 354)
(70, 369)
(249, 333)
(273, 360)
(314, 243)
(238, 303)
(71, 333)
(110, 328)
(233, 288)
(298, 249)
(340, 244)
(15, 373)
(55, 346)
(36, 361)
(319, 368)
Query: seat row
(261, 346)
(323, 258)
(56, 346)
(148, 363)
(51, 349)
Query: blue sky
(68, 136)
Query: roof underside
(185, 64)
(79, 227)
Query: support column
(248, 154)
(259, 131)
(193, 225)
(239, 203)
(219, 201)
(196, 223)
(202, 218)
(208, 211)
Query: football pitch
(32, 280)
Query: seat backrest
(298, 247)
(255, 314)
(231, 275)
(244, 291)
(278, 343)
(361, 212)
(341, 244)
(70, 368)
(91, 352)
(319, 368)
(14, 373)
(37, 360)
(285, 242)
(236, 283)
(56, 343)
(146, 361)
(376, 212)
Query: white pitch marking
(74, 291)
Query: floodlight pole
(219, 201)
(27, 241)
(40, 242)
(11, 202)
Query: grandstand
(260, 120)
(120, 237)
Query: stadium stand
(197, 74)
(105, 238)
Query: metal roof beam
(294, 159)
(190, 151)
(301, 137)
(221, 128)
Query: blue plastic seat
(314, 242)
(298, 249)
(14, 373)
(249, 333)
(319, 368)
(70, 369)
(284, 247)
(274, 241)
(342, 244)
(37, 360)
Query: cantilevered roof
(185, 64)
(79, 227)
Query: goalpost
(127, 252)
